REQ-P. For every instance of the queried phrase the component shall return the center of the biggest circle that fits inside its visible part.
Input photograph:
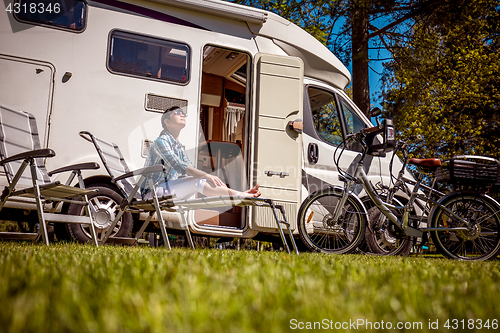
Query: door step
(19, 235)
(121, 240)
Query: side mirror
(375, 112)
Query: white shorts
(182, 188)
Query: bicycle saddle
(426, 162)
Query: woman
(167, 150)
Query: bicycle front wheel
(321, 233)
(477, 241)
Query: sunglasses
(179, 112)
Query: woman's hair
(166, 115)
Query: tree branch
(416, 12)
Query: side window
(353, 123)
(325, 115)
(65, 14)
(149, 57)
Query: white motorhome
(243, 76)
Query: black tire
(106, 203)
(61, 231)
(317, 230)
(481, 241)
(381, 236)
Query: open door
(27, 85)
(223, 134)
(278, 100)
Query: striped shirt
(169, 152)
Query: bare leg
(210, 191)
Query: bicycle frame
(360, 176)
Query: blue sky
(376, 68)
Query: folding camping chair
(20, 148)
(121, 175)
(115, 165)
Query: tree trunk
(360, 74)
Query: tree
(349, 29)
(444, 81)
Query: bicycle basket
(477, 171)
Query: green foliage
(79, 288)
(331, 21)
(312, 16)
(444, 83)
(327, 124)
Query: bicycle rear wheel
(321, 233)
(480, 240)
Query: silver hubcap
(104, 210)
(103, 219)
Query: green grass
(78, 288)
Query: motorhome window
(241, 75)
(149, 57)
(352, 121)
(325, 115)
(65, 14)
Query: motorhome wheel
(105, 204)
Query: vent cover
(158, 103)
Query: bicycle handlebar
(372, 129)
(359, 136)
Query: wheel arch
(99, 179)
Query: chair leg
(278, 223)
(282, 209)
(188, 233)
(144, 226)
(93, 233)
(112, 226)
(39, 206)
(158, 214)
(10, 189)
(163, 229)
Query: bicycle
(379, 236)
(463, 224)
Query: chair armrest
(32, 153)
(74, 167)
(143, 171)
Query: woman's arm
(214, 181)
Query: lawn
(80, 288)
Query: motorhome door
(27, 85)
(277, 154)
